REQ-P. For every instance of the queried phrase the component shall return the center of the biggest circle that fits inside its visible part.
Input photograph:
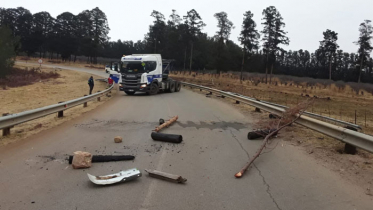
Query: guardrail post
(98, 98)
(350, 149)
(60, 113)
(86, 103)
(6, 131)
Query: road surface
(34, 174)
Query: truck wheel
(172, 86)
(129, 93)
(178, 86)
(153, 89)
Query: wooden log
(166, 124)
(166, 176)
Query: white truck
(146, 73)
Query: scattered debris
(257, 110)
(368, 191)
(287, 118)
(20, 131)
(118, 139)
(121, 176)
(166, 176)
(166, 124)
(172, 138)
(37, 126)
(161, 121)
(81, 160)
(273, 116)
(107, 158)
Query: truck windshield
(135, 67)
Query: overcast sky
(305, 20)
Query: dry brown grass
(334, 100)
(59, 62)
(68, 86)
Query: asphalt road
(34, 174)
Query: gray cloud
(305, 20)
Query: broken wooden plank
(166, 176)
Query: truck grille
(131, 82)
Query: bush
(20, 77)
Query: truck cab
(146, 73)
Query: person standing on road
(91, 84)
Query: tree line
(64, 36)
(181, 38)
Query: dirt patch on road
(69, 85)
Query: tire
(172, 86)
(129, 93)
(178, 87)
(153, 89)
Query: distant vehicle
(146, 73)
(112, 68)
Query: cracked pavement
(214, 148)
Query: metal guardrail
(345, 135)
(308, 113)
(14, 119)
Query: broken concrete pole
(118, 139)
(166, 176)
(172, 138)
(82, 160)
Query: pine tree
(328, 46)
(194, 25)
(222, 35)
(249, 37)
(365, 45)
(273, 35)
